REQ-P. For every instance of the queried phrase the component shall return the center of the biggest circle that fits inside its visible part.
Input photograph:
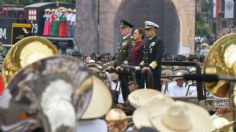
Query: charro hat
(48, 10)
(140, 117)
(166, 72)
(51, 87)
(178, 117)
(205, 45)
(140, 97)
(179, 73)
(149, 24)
(101, 99)
(124, 23)
(114, 76)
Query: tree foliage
(202, 27)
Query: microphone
(208, 77)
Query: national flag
(229, 9)
(216, 6)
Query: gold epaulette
(142, 63)
(153, 65)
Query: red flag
(1, 85)
(216, 7)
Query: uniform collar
(126, 36)
(152, 37)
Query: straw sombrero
(48, 10)
(204, 45)
(179, 117)
(175, 68)
(179, 73)
(101, 99)
(51, 88)
(166, 72)
(140, 118)
(140, 97)
(114, 76)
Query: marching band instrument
(221, 60)
(25, 52)
(51, 91)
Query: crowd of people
(143, 51)
(59, 22)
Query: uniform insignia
(153, 43)
(124, 43)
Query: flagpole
(234, 12)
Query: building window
(32, 15)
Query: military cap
(192, 57)
(124, 23)
(132, 82)
(180, 58)
(76, 53)
(149, 24)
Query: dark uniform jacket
(122, 55)
(124, 50)
(153, 51)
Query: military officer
(125, 43)
(124, 54)
(153, 53)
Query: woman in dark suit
(137, 51)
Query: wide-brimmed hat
(101, 99)
(220, 123)
(166, 72)
(114, 76)
(52, 87)
(205, 45)
(48, 10)
(140, 117)
(178, 117)
(179, 73)
(141, 97)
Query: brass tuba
(25, 52)
(221, 60)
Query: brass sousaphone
(25, 52)
(221, 60)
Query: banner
(19, 31)
(216, 8)
(229, 9)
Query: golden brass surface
(221, 60)
(25, 52)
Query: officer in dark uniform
(125, 43)
(124, 54)
(153, 53)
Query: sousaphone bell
(221, 60)
(25, 52)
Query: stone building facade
(98, 23)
